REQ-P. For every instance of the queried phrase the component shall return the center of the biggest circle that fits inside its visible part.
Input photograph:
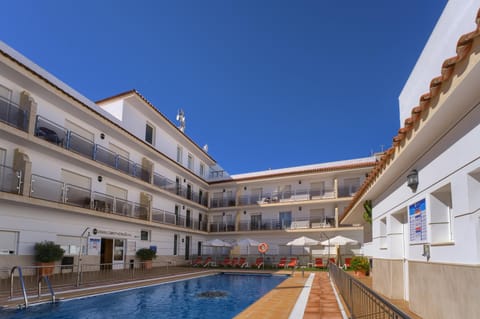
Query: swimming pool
(217, 296)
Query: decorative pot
(45, 269)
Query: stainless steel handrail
(49, 287)
(22, 282)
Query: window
(383, 233)
(474, 190)
(199, 248)
(71, 244)
(440, 215)
(5, 93)
(352, 185)
(179, 154)
(256, 222)
(175, 243)
(202, 169)
(145, 235)
(190, 162)
(8, 242)
(285, 219)
(149, 133)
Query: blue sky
(266, 84)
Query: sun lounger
(207, 262)
(319, 263)
(242, 263)
(197, 262)
(226, 262)
(292, 263)
(235, 262)
(258, 262)
(282, 263)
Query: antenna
(181, 120)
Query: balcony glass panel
(13, 115)
(9, 180)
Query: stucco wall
(387, 278)
(444, 291)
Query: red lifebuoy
(262, 248)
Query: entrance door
(106, 253)
(112, 253)
(187, 247)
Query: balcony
(179, 190)
(168, 218)
(275, 224)
(12, 114)
(71, 141)
(222, 202)
(60, 192)
(287, 196)
(10, 180)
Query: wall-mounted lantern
(412, 180)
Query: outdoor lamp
(412, 180)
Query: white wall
(457, 19)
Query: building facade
(424, 190)
(105, 179)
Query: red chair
(331, 260)
(234, 262)
(293, 262)
(197, 262)
(282, 263)
(258, 262)
(348, 262)
(319, 263)
(226, 262)
(207, 262)
(242, 263)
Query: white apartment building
(425, 189)
(107, 178)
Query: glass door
(285, 219)
(118, 253)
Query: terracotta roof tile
(426, 101)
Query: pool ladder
(24, 290)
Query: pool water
(217, 296)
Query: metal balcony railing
(180, 190)
(361, 301)
(286, 196)
(10, 180)
(62, 137)
(57, 191)
(222, 202)
(164, 217)
(13, 115)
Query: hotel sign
(417, 216)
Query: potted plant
(146, 255)
(46, 254)
(360, 266)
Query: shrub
(146, 254)
(48, 251)
(360, 264)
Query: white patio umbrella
(216, 243)
(338, 241)
(303, 242)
